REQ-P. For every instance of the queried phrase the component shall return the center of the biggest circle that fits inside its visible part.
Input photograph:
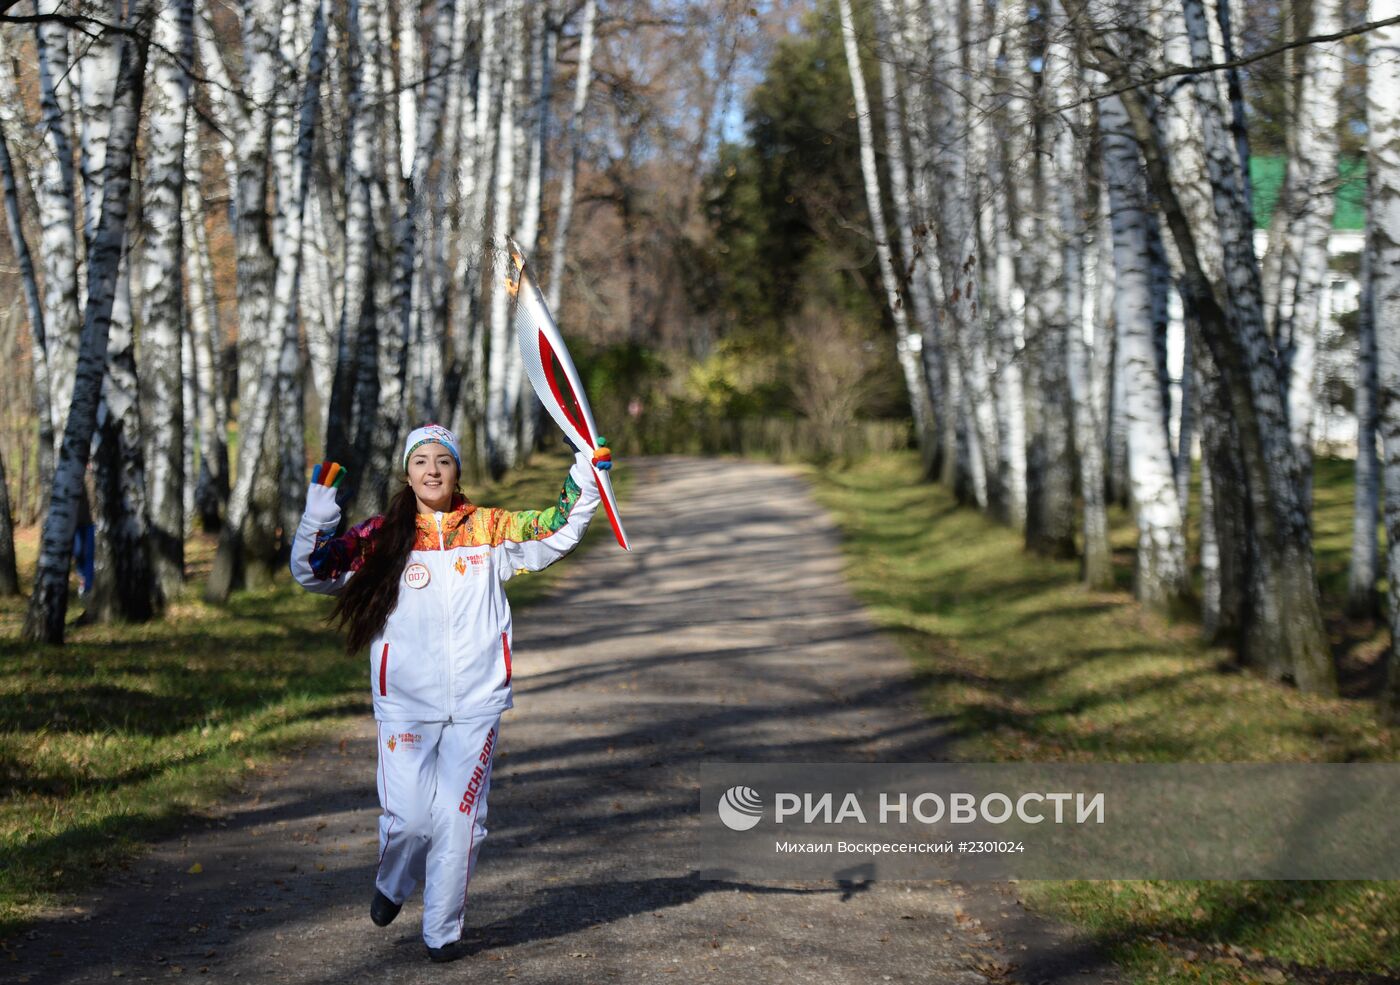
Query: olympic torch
(555, 378)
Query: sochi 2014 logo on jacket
(477, 563)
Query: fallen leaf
(195, 869)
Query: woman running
(422, 589)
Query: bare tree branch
(1232, 63)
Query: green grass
(1028, 665)
(126, 732)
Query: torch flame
(518, 258)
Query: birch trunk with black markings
(1383, 212)
(48, 604)
(889, 275)
(163, 315)
(54, 196)
(1160, 572)
(1363, 570)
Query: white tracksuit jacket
(440, 674)
(444, 654)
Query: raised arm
(322, 562)
(535, 539)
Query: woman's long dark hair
(368, 599)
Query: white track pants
(433, 781)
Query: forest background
(242, 236)
(1066, 291)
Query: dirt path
(728, 634)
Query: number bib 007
(416, 575)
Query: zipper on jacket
(384, 672)
(446, 610)
(505, 649)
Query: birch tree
(1284, 636)
(574, 135)
(1302, 225)
(420, 225)
(1364, 567)
(54, 197)
(1160, 573)
(1383, 212)
(1050, 512)
(9, 118)
(1066, 172)
(1003, 301)
(889, 275)
(382, 366)
(501, 402)
(211, 486)
(163, 317)
(44, 619)
(125, 587)
(475, 153)
(353, 386)
(275, 350)
(923, 356)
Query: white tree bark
(320, 301)
(10, 122)
(1303, 217)
(573, 129)
(125, 586)
(1067, 173)
(1001, 306)
(163, 317)
(544, 45)
(1383, 211)
(1011, 309)
(381, 413)
(211, 488)
(260, 337)
(913, 285)
(476, 150)
(410, 80)
(420, 226)
(500, 403)
(923, 352)
(291, 377)
(356, 378)
(1161, 575)
(228, 108)
(950, 170)
(54, 196)
(1284, 634)
(96, 69)
(1363, 572)
(44, 620)
(889, 275)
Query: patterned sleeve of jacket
(322, 562)
(528, 540)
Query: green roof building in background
(1266, 176)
